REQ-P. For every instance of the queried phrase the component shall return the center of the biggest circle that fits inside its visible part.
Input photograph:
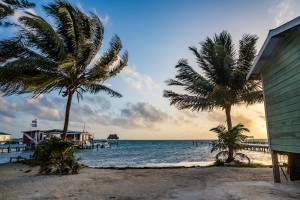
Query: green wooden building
(278, 67)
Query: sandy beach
(19, 181)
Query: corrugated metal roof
(271, 44)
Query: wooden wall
(281, 82)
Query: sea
(149, 153)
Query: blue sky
(157, 33)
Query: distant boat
(103, 145)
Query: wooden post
(276, 172)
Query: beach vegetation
(56, 156)
(220, 79)
(60, 56)
(8, 8)
(229, 143)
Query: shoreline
(20, 181)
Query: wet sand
(19, 181)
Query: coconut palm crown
(223, 83)
(43, 58)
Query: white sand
(184, 183)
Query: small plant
(229, 142)
(218, 162)
(57, 157)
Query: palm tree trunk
(230, 155)
(67, 115)
(228, 117)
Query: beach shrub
(218, 162)
(57, 157)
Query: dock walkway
(264, 147)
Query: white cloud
(282, 12)
(138, 81)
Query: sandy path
(185, 183)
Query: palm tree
(230, 141)
(224, 81)
(45, 58)
(8, 8)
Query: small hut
(4, 137)
(113, 137)
(278, 67)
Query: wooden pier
(263, 147)
(13, 148)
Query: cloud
(7, 110)
(100, 102)
(141, 114)
(43, 108)
(282, 12)
(137, 81)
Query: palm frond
(221, 153)
(65, 15)
(242, 157)
(5, 11)
(123, 61)
(101, 69)
(183, 101)
(19, 3)
(97, 31)
(247, 51)
(37, 31)
(96, 88)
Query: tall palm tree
(8, 8)
(223, 83)
(43, 58)
(230, 141)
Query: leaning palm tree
(229, 142)
(43, 58)
(223, 83)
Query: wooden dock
(13, 148)
(263, 147)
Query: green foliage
(229, 142)
(57, 157)
(222, 83)
(218, 162)
(249, 165)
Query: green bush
(218, 162)
(57, 157)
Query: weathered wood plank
(277, 134)
(285, 148)
(283, 84)
(284, 103)
(283, 97)
(284, 109)
(289, 71)
(284, 129)
(288, 115)
(285, 122)
(285, 142)
(286, 89)
(289, 48)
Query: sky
(156, 33)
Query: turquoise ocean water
(150, 153)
